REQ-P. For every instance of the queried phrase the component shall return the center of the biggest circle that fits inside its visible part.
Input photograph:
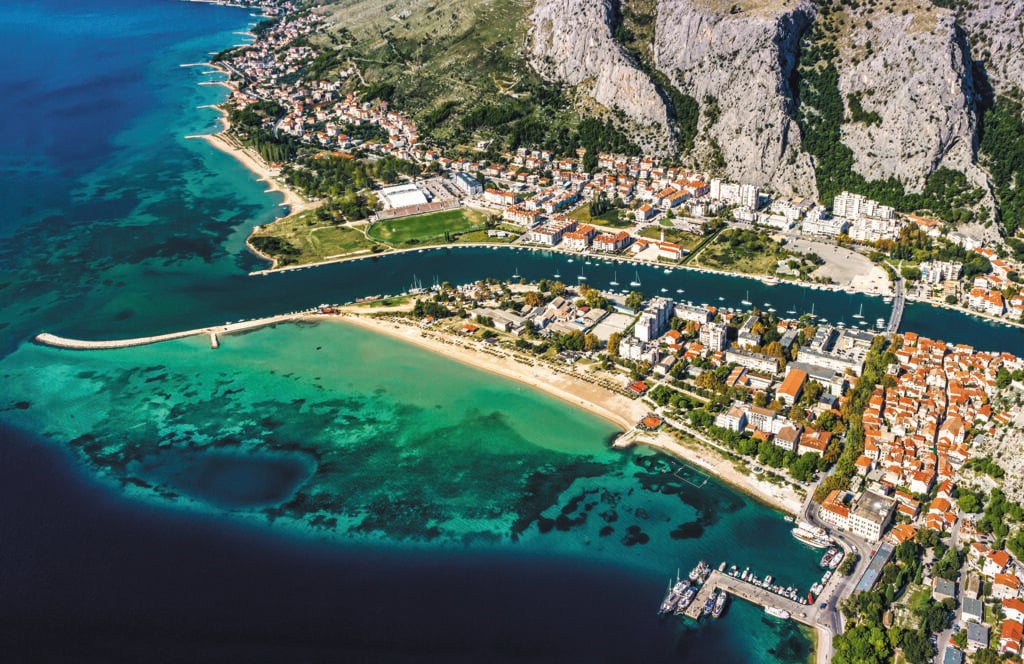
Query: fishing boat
(829, 555)
(697, 571)
(720, 601)
(709, 605)
(781, 614)
(675, 594)
(687, 600)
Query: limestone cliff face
(744, 60)
(913, 70)
(996, 28)
(571, 41)
(910, 70)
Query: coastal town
(645, 209)
(869, 437)
(514, 330)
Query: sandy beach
(620, 410)
(254, 163)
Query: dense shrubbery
(1002, 145)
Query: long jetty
(213, 332)
(756, 594)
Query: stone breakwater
(56, 341)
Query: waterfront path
(213, 332)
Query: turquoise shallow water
(408, 450)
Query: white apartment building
(855, 206)
(713, 336)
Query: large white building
(744, 195)
(934, 272)
(403, 195)
(713, 336)
(654, 320)
(873, 229)
(855, 206)
(822, 225)
(871, 514)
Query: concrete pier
(214, 332)
(737, 587)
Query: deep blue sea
(276, 501)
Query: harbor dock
(718, 581)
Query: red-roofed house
(1013, 609)
(1005, 586)
(814, 441)
(639, 388)
(1010, 637)
(834, 511)
(792, 387)
(995, 562)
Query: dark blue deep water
(114, 224)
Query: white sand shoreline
(622, 411)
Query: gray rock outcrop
(744, 60)
(914, 71)
(996, 28)
(571, 41)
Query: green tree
(916, 647)
(635, 300)
(614, 339)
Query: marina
(706, 591)
(722, 583)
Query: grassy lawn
(428, 228)
(686, 240)
(742, 251)
(481, 236)
(612, 218)
(302, 239)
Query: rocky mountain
(913, 73)
(571, 42)
(743, 62)
(996, 32)
(904, 87)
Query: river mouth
(228, 480)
